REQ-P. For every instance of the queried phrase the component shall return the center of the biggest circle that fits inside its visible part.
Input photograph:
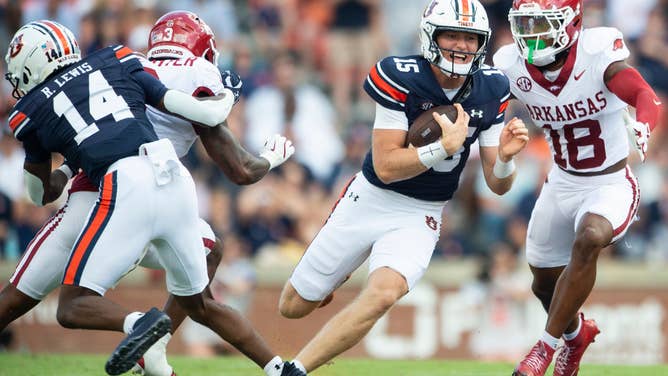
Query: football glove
(638, 134)
(233, 82)
(277, 149)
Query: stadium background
(303, 63)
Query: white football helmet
(454, 15)
(38, 49)
(544, 28)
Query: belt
(614, 168)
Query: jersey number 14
(102, 101)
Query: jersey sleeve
(500, 88)
(35, 152)
(129, 59)
(18, 122)
(606, 45)
(383, 84)
(209, 81)
(390, 119)
(153, 88)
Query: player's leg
(398, 260)
(213, 248)
(604, 216)
(339, 248)
(550, 236)
(181, 253)
(350, 325)
(13, 304)
(154, 361)
(40, 270)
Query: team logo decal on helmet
(38, 49)
(16, 46)
(181, 34)
(454, 15)
(544, 28)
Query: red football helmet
(182, 33)
(543, 28)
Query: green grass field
(85, 365)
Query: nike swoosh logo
(657, 102)
(577, 76)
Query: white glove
(277, 149)
(638, 134)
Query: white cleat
(154, 361)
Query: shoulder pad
(384, 84)
(599, 39)
(506, 56)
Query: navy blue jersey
(92, 112)
(408, 84)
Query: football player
(391, 211)
(576, 85)
(110, 86)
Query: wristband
(65, 169)
(503, 169)
(431, 154)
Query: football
(425, 130)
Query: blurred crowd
(303, 63)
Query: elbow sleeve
(207, 112)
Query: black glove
(233, 82)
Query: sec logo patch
(524, 83)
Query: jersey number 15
(102, 101)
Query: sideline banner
(431, 322)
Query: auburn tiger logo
(16, 46)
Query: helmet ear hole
(26, 79)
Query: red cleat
(536, 361)
(568, 361)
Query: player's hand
(638, 134)
(277, 149)
(513, 139)
(233, 82)
(453, 134)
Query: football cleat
(154, 361)
(290, 369)
(147, 330)
(536, 361)
(568, 360)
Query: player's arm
(497, 161)
(44, 186)
(209, 111)
(393, 161)
(237, 164)
(627, 83)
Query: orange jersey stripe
(503, 106)
(91, 230)
(123, 52)
(387, 88)
(60, 35)
(16, 120)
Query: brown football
(425, 130)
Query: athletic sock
(130, 321)
(549, 340)
(571, 336)
(274, 367)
